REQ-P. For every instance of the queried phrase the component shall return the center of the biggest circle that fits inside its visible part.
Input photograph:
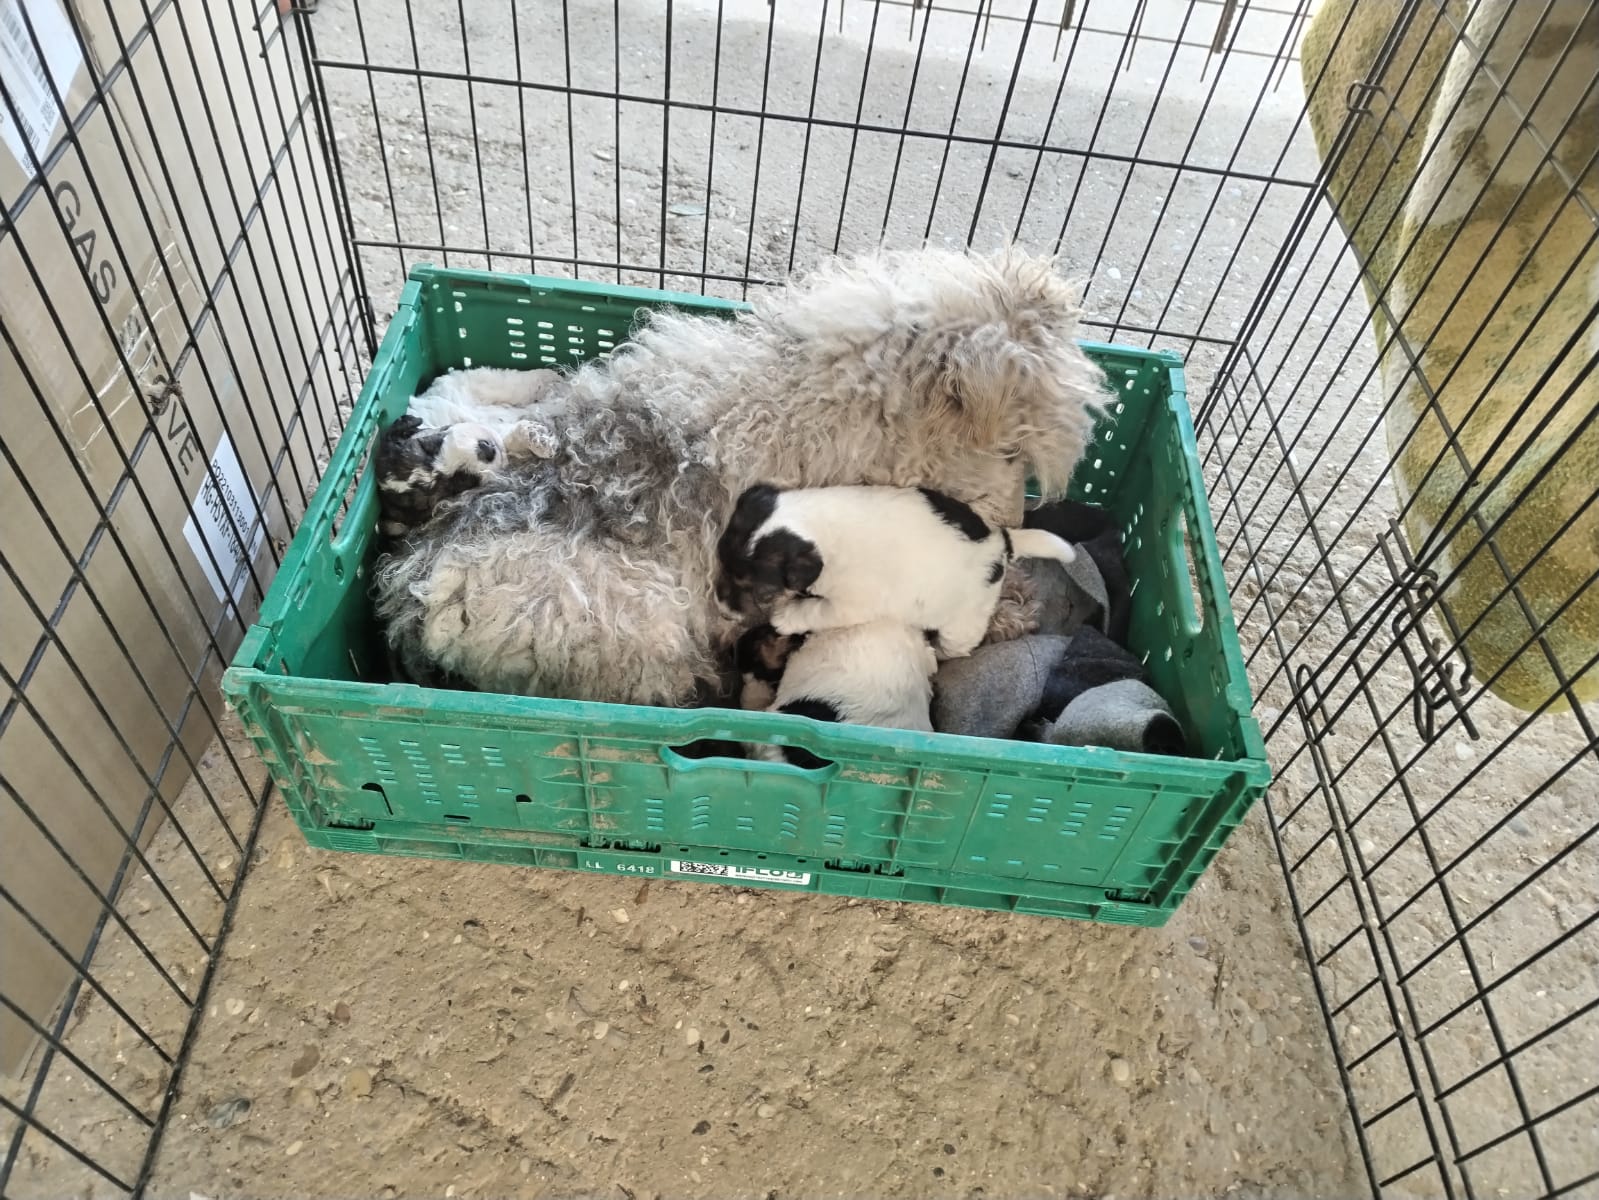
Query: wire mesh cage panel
(177, 338)
(1404, 461)
(1369, 229)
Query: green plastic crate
(389, 768)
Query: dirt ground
(405, 1027)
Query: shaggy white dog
(590, 575)
(826, 558)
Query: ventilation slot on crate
(849, 864)
(632, 844)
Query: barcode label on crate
(225, 508)
(744, 874)
(38, 114)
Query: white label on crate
(26, 80)
(224, 508)
(746, 874)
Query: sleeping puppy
(874, 674)
(761, 655)
(824, 558)
(418, 466)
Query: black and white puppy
(878, 674)
(761, 655)
(418, 466)
(811, 559)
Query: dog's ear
(985, 379)
(780, 562)
(747, 651)
(752, 510)
(393, 454)
(803, 570)
(762, 653)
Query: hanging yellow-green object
(1468, 183)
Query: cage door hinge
(1440, 673)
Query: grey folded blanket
(1082, 690)
(1094, 590)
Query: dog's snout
(486, 450)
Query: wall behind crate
(178, 339)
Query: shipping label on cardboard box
(28, 73)
(225, 510)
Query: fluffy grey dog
(590, 575)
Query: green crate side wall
(1232, 701)
(1180, 623)
(956, 815)
(432, 838)
(316, 611)
(473, 846)
(1118, 449)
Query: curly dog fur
(590, 576)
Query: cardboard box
(165, 352)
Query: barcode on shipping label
(225, 511)
(743, 874)
(37, 113)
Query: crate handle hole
(457, 818)
(1185, 557)
(382, 795)
(523, 798)
(674, 758)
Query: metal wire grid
(99, 602)
(1156, 148)
(1439, 846)
(909, 122)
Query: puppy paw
(790, 619)
(756, 695)
(530, 439)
